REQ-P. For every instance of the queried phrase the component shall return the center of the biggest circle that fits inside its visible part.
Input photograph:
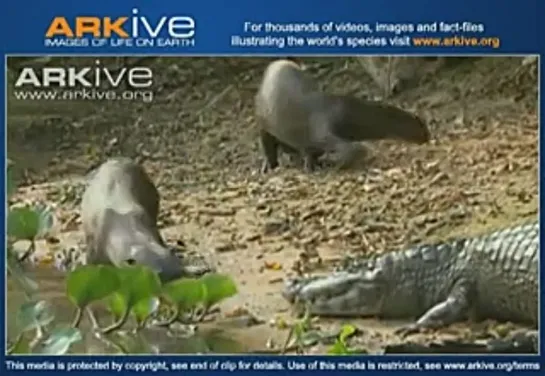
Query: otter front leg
(348, 153)
(269, 144)
(310, 160)
(298, 158)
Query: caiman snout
(340, 294)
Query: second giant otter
(293, 114)
(119, 217)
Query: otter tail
(356, 119)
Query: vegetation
(302, 335)
(128, 292)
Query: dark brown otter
(295, 116)
(119, 217)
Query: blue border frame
(516, 23)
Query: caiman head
(339, 294)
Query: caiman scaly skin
(491, 276)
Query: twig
(77, 318)
(94, 321)
(28, 252)
(116, 325)
(36, 340)
(171, 319)
(287, 341)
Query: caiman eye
(130, 261)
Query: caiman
(492, 276)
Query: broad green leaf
(22, 346)
(137, 283)
(34, 314)
(60, 340)
(346, 331)
(218, 287)
(117, 305)
(144, 308)
(338, 348)
(89, 283)
(141, 310)
(186, 293)
(23, 223)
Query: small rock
(270, 344)
(225, 247)
(261, 205)
(275, 226)
(312, 213)
(272, 265)
(277, 249)
(237, 312)
(218, 212)
(252, 237)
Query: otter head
(416, 130)
(158, 258)
(401, 124)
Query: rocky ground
(198, 141)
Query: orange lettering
(87, 25)
(59, 26)
(116, 26)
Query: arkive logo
(135, 30)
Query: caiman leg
(447, 312)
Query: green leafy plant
(340, 347)
(35, 315)
(131, 291)
(303, 334)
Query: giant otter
(293, 114)
(119, 217)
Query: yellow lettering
(116, 27)
(87, 25)
(59, 26)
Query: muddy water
(221, 335)
(210, 337)
(258, 295)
